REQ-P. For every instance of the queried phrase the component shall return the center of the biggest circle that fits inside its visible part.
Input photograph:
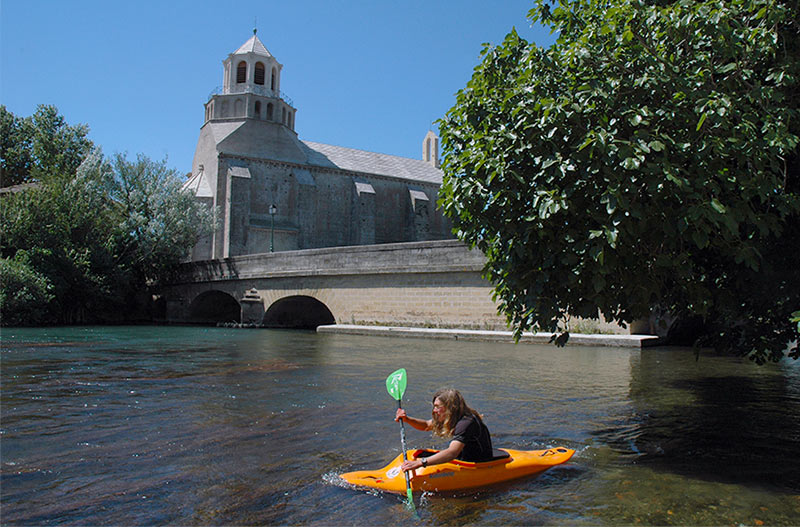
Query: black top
(471, 431)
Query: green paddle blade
(396, 384)
(411, 501)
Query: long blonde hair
(455, 407)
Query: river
(214, 426)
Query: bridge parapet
(445, 256)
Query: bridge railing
(444, 256)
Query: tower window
(258, 109)
(259, 73)
(241, 73)
(270, 109)
(274, 76)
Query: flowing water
(212, 426)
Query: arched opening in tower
(298, 312)
(213, 307)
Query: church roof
(198, 185)
(253, 45)
(372, 163)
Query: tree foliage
(91, 241)
(24, 293)
(648, 159)
(40, 146)
(63, 228)
(158, 222)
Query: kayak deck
(457, 475)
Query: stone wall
(429, 284)
(317, 207)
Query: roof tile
(253, 45)
(372, 163)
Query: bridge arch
(212, 307)
(298, 312)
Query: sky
(372, 75)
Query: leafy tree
(648, 159)
(24, 293)
(15, 149)
(159, 223)
(92, 237)
(64, 230)
(40, 146)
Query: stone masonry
(421, 284)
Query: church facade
(272, 191)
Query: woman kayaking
(451, 419)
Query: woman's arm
(419, 424)
(443, 456)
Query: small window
(270, 108)
(274, 77)
(258, 109)
(241, 73)
(259, 79)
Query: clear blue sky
(372, 75)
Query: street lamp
(272, 210)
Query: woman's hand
(419, 424)
(411, 464)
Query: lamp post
(272, 210)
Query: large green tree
(87, 242)
(40, 146)
(63, 229)
(158, 223)
(647, 160)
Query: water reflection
(730, 423)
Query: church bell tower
(251, 88)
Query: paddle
(396, 386)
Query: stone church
(274, 191)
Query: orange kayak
(456, 475)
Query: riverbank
(575, 339)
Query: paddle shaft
(405, 457)
(396, 386)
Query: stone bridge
(420, 284)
